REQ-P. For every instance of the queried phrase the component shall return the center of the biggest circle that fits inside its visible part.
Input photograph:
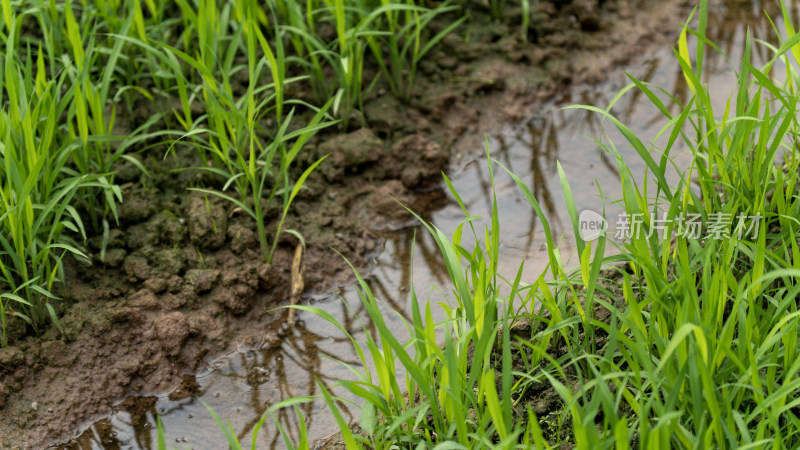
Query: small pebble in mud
(34, 406)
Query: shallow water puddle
(241, 386)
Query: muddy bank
(182, 278)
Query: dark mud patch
(182, 279)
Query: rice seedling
(401, 36)
(38, 185)
(311, 53)
(74, 43)
(392, 31)
(60, 88)
(256, 169)
(452, 393)
(89, 121)
(693, 346)
(345, 56)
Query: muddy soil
(183, 279)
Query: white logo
(591, 225)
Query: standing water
(242, 385)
